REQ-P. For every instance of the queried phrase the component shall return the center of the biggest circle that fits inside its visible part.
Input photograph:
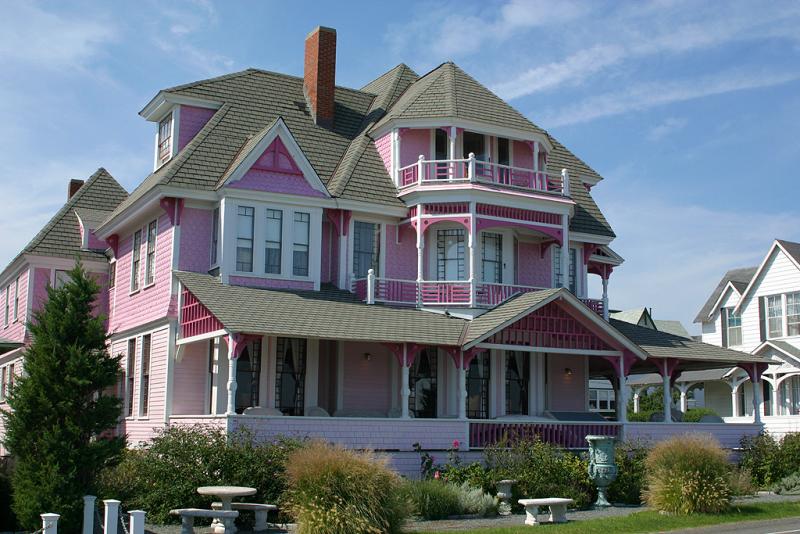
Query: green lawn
(655, 522)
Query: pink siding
(274, 182)
(367, 384)
(384, 147)
(15, 331)
(190, 380)
(139, 428)
(149, 303)
(327, 243)
(192, 120)
(41, 279)
(270, 283)
(567, 391)
(401, 258)
(522, 156)
(412, 144)
(532, 269)
(195, 248)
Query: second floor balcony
(457, 172)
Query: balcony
(445, 293)
(456, 172)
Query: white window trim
(578, 270)
(351, 245)
(176, 116)
(140, 367)
(138, 274)
(155, 254)
(786, 314)
(16, 299)
(215, 264)
(6, 310)
(783, 315)
(130, 406)
(432, 241)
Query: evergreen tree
(61, 410)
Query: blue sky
(690, 110)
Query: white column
(111, 516)
(757, 403)
(371, 286)
(775, 389)
(420, 253)
(396, 156)
(88, 514)
(472, 240)
(137, 521)
(636, 401)
(405, 391)
(605, 298)
(462, 389)
(622, 397)
(49, 523)
(684, 399)
(231, 409)
(735, 400)
(667, 395)
(565, 181)
(565, 251)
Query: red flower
(456, 444)
(437, 475)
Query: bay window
(366, 248)
(273, 242)
(492, 258)
(244, 239)
(450, 257)
(150, 258)
(775, 316)
(302, 237)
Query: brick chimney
(74, 185)
(319, 74)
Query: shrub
(541, 470)
(789, 456)
(8, 521)
(338, 491)
(433, 499)
(472, 474)
(630, 482)
(473, 501)
(761, 455)
(789, 485)
(742, 482)
(166, 472)
(693, 415)
(688, 474)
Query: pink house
(405, 262)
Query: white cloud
(667, 127)
(32, 36)
(535, 13)
(647, 95)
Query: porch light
(568, 371)
(367, 356)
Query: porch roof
(329, 314)
(694, 354)
(686, 376)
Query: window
(290, 375)
(143, 403)
(165, 139)
(793, 314)
(478, 387)
(136, 260)
(6, 308)
(734, 327)
(62, 279)
(214, 235)
(517, 379)
(775, 316)
(440, 150)
(450, 254)
(244, 240)
(366, 248)
(16, 299)
(112, 274)
(557, 268)
(422, 383)
(3, 384)
(248, 372)
(475, 143)
(11, 376)
(602, 400)
(272, 262)
(150, 259)
(503, 151)
(302, 232)
(129, 373)
(492, 260)
(593, 405)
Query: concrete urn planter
(602, 466)
(504, 494)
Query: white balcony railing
(433, 293)
(471, 170)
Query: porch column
(453, 134)
(775, 389)
(472, 240)
(462, 388)
(405, 391)
(735, 399)
(622, 396)
(636, 393)
(605, 297)
(231, 377)
(420, 253)
(684, 389)
(667, 393)
(565, 251)
(757, 398)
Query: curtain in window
(290, 375)
(422, 382)
(248, 373)
(517, 379)
(478, 387)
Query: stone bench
(558, 509)
(261, 511)
(187, 516)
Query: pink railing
(444, 171)
(445, 293)
(564, 434)
(596, 305)
(395, 291)
(360, 288)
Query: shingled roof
(61, 236)
(738, 277)
(344, 156)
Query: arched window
(422, 383)
(478, 387)
(290, 375)
(517, 380)
(248, 372)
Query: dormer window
(165, 129)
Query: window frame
(779, 317)
(6, 306)
(728, 316)
(150, 254)
(573, 268)
(793, 325)
(255, 360)
(441, 260)
(498, 237)
(136, 260)
(414, 377)
(130, 376)
(374, 254)
(484, 384)
(145, 367)
(268, 241)
(239, 238)
(16, 299)
(300, 392)
(215, 233)
(524, 381)
(163, 156)
(304, 271)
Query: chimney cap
(320, 29)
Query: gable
(778, 274)
(273, 162)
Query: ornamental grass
(688, 474)
(337, 491)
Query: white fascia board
(50, 262)
(722, 296)
(162, 103)
(775, 246)
(13, 270)
(498, 198)
(598, 239)
(279, 129)
(474, 126)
